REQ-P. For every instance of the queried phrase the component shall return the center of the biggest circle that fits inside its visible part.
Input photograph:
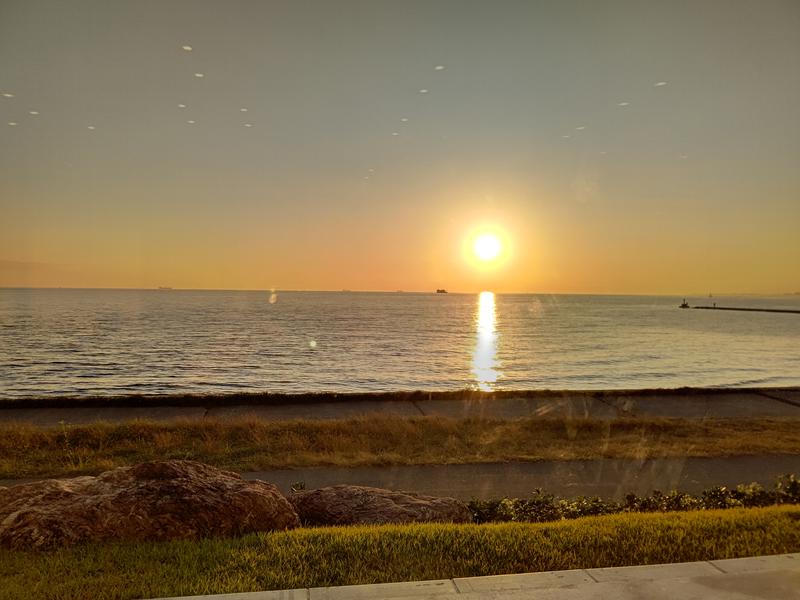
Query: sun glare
(487, 247)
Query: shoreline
(605, 405)
(788, 394)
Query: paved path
(607, 478)
(609, 405)
(766, 577)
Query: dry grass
(251, 444)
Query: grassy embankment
(355, 555)
(251, 445)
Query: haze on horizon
(621, 147)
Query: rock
(161, 500)
(352, 504)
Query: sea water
(103, 342)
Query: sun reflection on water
(484, 360)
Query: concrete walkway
(607, 405)
(766, 577)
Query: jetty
(769, 310)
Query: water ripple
(78, 342)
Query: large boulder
(161, 500)
(352, 504)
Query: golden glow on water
(484, 360)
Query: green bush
(542, 507)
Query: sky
(620, 147)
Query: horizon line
(394, 291)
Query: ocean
(64, 342)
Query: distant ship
(164, 287)
(441, 291)
(685, 304)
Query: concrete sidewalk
(766, 577)
(608, 405)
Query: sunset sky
(614, 147)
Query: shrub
(542, 507)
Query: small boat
(685, 304)
(441, 291)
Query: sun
(487, 247)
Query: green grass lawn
(252, 444)
(355, 555)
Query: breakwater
(769, 310)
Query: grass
(252, 444)
(356, 555)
